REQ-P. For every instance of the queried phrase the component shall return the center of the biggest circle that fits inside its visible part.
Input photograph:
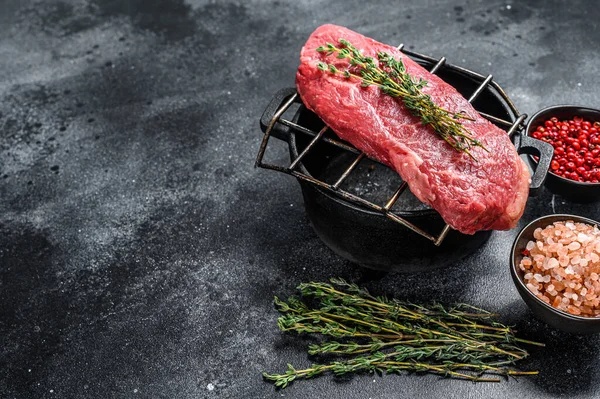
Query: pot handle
(527, 145)
(280, 131)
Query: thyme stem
(392, 78)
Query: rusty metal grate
(384, 209)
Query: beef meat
(470, 195)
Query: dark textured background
(140, 250)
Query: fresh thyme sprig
(383, 335)
(391, 76)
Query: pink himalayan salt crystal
(583, 262)
(532, 288)
(557, 301)
(583, 238)
(539, 258)
(565, 268)
(573, 310)
(552, 263)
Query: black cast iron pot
(370, 238)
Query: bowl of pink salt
(555, 265)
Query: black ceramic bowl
(567, 188)
(556, 318)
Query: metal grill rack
(384, 209)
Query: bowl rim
(555, 107)
(515, 272)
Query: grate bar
(309, 147)
(265, 141)
(442, 235)
(344, 194)
(411, 226)
(309, 179)
(439, 64)
(359, 200)
(515, 125)
(395, 196)
(495, 119)
(348, 170)
(480, 89)
(309, 132)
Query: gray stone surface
(140, 250)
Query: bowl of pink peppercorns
(574, 132)
(555, 265)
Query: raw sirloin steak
(470, 195)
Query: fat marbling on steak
(470, 195)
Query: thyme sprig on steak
(391, 77)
